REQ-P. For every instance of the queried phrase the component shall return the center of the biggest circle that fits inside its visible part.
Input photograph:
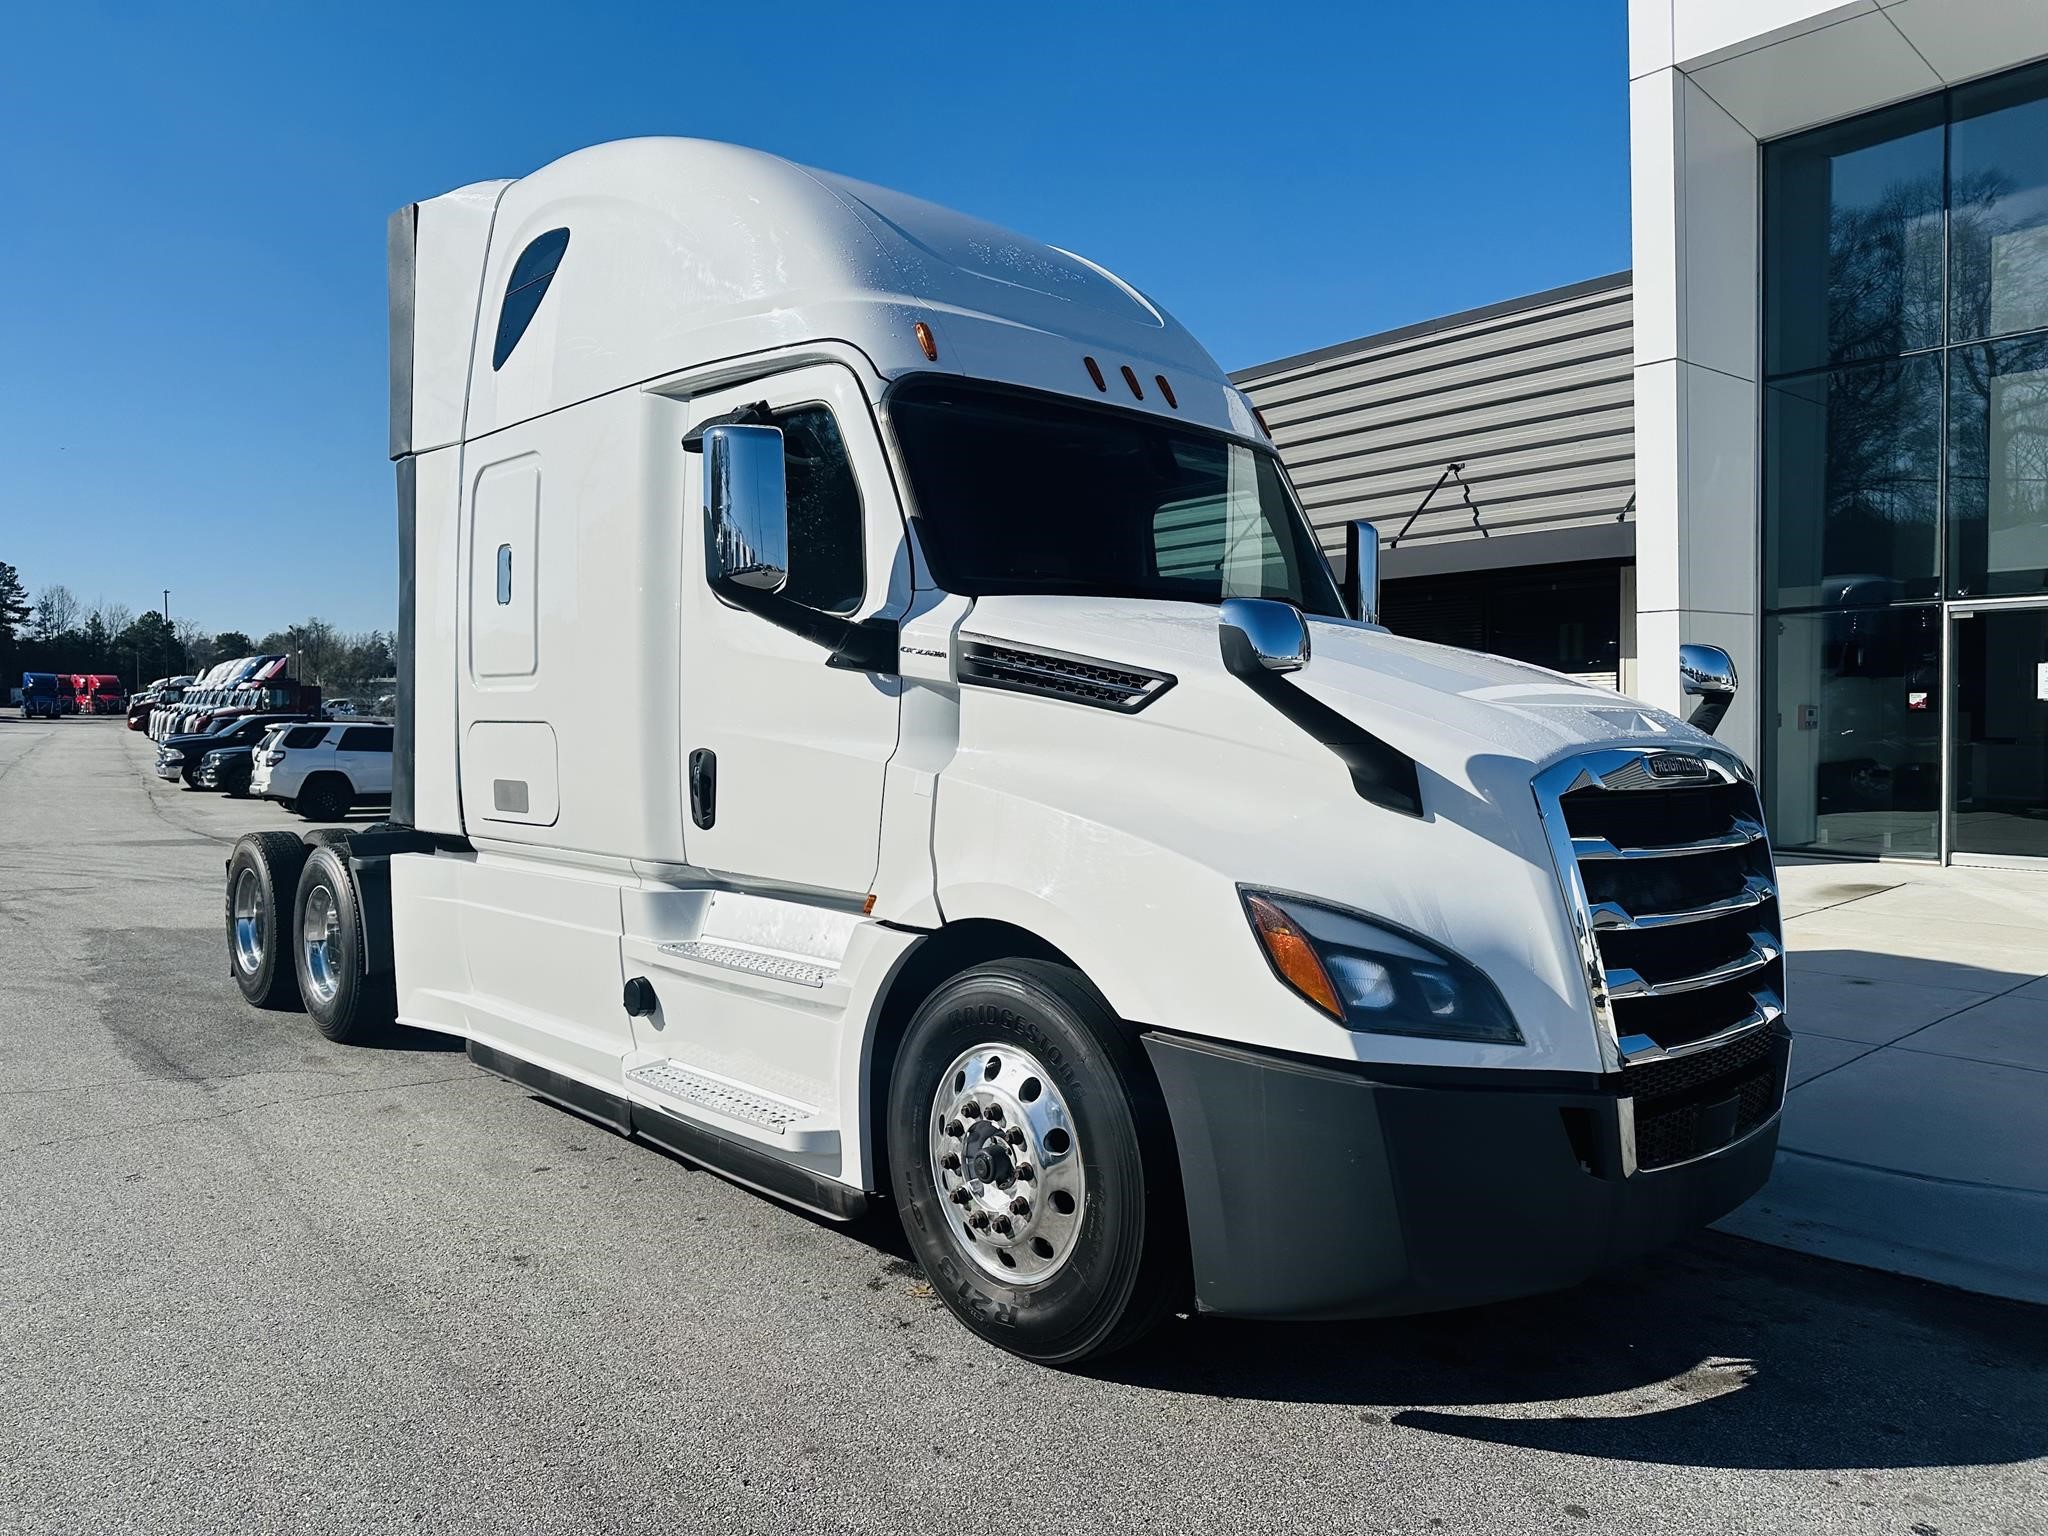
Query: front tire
(1033, 1164)
(263, 879)
(350, 1007)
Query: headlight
(1371, 976)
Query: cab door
(783, 756)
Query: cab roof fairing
(684, 252)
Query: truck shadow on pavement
(1719, 1353)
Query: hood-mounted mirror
(1707, 673)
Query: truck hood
(1438, 704)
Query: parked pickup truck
(875, 720)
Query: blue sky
(193, 394)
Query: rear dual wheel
(263, 879)
(1033, 1164)
(295, 935)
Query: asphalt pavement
(251, 1281)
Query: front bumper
(170, 771)
(1327, 1191)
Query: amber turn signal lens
(1288, 948)
(924, 340)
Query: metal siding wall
(1536, 401)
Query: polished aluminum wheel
(1006, 1159)
(251, 930)
(321, 935)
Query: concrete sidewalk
(1916, 1129)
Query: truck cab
(876, 720)
(40, 699)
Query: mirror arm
(1709, 712)
(755, 415)
(857, 645)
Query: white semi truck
(875, 721)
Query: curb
(1975, 1237)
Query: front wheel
(1033, 1164)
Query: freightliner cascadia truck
(875, 721)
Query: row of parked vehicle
(46, 695)
(246, 729)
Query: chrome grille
(1667, 873)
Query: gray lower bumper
(1320, 1191)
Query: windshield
(1022, 492)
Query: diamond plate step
(722, 1096)
(755, 962)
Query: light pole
(167, 605)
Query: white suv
(323, 770)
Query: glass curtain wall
(1905, 435)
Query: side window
(524, 290)
(825, 564)
(305, 736)
(366, 738)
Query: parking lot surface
(251, 1281)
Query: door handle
(704, 787)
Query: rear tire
(327, 941)
(263, 882)
(1096, 1254)
(326, 798)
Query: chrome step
(721, 1096)
(754, 962)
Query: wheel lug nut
(994, 1112)
(960, 1195)
(1016, 1136)
(1024, 1172)
(1020, 1207)
(955, 1128)
(951, 1161)
(971, 1111)
(1003, 1225)
(981, 1220)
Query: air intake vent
(1059, 675)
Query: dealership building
(1809, 426)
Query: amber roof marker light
(1166, 390)
(1130, 378)
(1095, 373)
(929, 346)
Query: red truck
(101, 693)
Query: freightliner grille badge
(1676, 765)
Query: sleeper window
(524, 290)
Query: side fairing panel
(436, 802)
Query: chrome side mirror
(1260, 634)
(1707, 673)
(746, 508)
(1362, 570)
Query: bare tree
(56, 612)
(114, 616)
(194, 638)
